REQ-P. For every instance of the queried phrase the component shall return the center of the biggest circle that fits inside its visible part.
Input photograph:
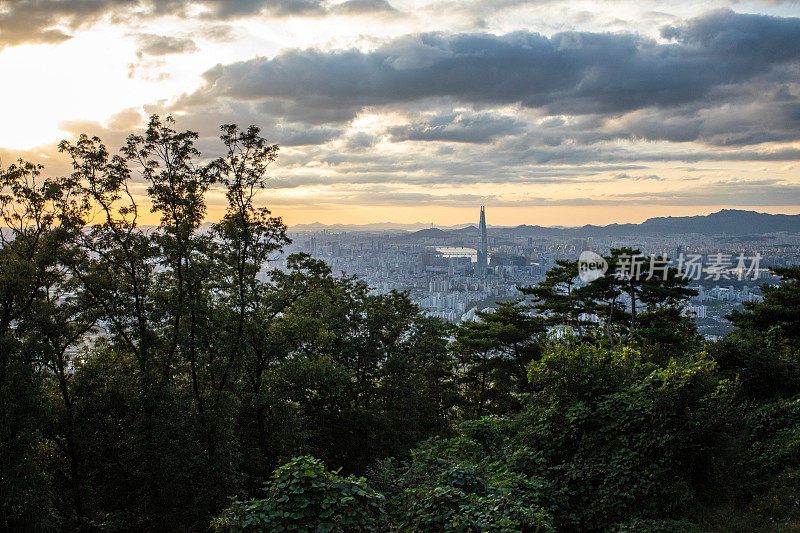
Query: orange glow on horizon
(497, 216)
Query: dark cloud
(761, 114)
(52, 21)
(229, 9)
(300, 136)
(353, 7)
(754, 40)
(431, 176)
(161, 45)
(733, 124)
(568, 73)
(459, 127)
(361, 141)
(570, 155)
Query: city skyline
(552, 113)
(443, 272)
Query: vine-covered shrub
(304, 496)
(621, 439)
(772, 469)
(451, 509)
(637, 525)
(467, 484)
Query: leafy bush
(620, 438)
(445, 494)
(488, 431)
(574, 373)
(638, 525)
(773, 460)
(303, 496)
(765, 368)
(452, 509)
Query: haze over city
(548, 112)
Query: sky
(548, 112)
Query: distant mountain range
(383, 227)
(726, 222)
(732, 222)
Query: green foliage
(454, 509)
(577, 373)
(496, 351)
(488, 431)
(355, 377)
(772, 460)
(559, 299)
(459, 484)
(303, 495)
(622, 438)
(26, 499)
(610, 441)
(764, 368)
(780, 308)
(201, 373)
(656, 294)
(638, 525)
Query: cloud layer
(707, 59)
(702, 110)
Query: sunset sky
(547, 112)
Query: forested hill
(727, 221)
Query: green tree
(779, 311)
(559, 299)
(763, 352)
(650, 312)
(494, 353)
(175, 301)
(39, 217)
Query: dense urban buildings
(452, 273)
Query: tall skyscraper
(483, 246)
